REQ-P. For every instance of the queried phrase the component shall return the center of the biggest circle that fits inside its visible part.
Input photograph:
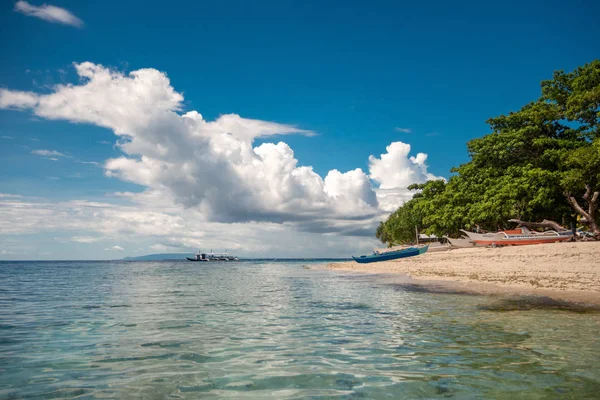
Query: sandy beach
(564, 271)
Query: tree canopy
(541, 162)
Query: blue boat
(391, 255)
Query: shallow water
(157, 330)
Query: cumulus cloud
(14, 99)
(395, 170)
(213, 167)
(49, 13)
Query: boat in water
(391, 255)
(517, 237)
(205, 257)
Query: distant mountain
(158, 257)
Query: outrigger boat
(391, 255)
(517, 237)
(433, 247)
(463, 242)
(205, 257)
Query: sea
(277, 330)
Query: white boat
(462, 242)
(205, 257)
(517, 237)
(433, 247)
(437, 246)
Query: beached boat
(392, 255)
(517, 237)
(463, 243)
(437, 246)
(433, 247)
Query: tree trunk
(544, 224)
(589, 216)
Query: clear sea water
(260, 330)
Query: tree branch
(588, 191)
(592, 205)
(544, 224)
(573, 201)
(595, 197)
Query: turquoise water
(156, 330)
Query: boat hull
(521, 241)
(482, 236)
(517, 238)
(392, 255)
(463, 243)
(438, 247)
(193, 259)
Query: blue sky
(360, 75)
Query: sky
(266, 128)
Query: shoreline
(567, 272)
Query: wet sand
(562, 271)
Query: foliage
(541, 162)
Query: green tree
(582, 170)
(401, 224)
(556, 139)
(541, 162)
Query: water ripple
(155, 330)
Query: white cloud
(6, 137)
(151, 220)
(211, 169)
(85, 239)
(48, 13)
(161, 247)
(403, 130)
(14, 99)
(88, 162)
(48, 153)
(395, 171)
(114, 248)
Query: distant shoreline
(562, 271)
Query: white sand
(568, 271)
